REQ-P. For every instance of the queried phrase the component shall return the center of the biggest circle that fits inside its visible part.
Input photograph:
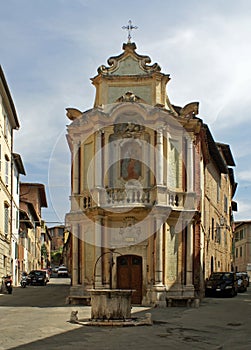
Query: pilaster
(98, 252)
(75, 254)
(75, 161)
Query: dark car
(37, 277)
(222, 284)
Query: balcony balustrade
(141, 197)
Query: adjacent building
(57, 237)
(32, 200)
(17, 170)
(217, 209)
(67, 250)
(24, 238)
(45, 246)
(8, 123)
(151, 189)
(242, 246)
(57, 234)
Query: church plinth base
(160, 295)
(181, 296)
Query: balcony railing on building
(136, 197)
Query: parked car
(62, 271)
(37, 277)
(242, 282)
(55, 269)
(242, 285)
(221, 284)
(246, 277)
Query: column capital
(159, 135)
(76, 142)
(99, 132)
(98, 218)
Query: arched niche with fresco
(129, 149)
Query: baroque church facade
(137, 215)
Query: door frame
(130, 266)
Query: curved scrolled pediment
(129, 63)
(130, 72)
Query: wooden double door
(129, 275)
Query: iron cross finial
(129, 28)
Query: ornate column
(99, 193)
(159, 158)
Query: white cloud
(49, 52)
(244, 210)
(245, 175)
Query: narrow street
(52, 295)
(38, 318)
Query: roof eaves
(214, 152)
(227, 153)
(18, 161)
(10, 100)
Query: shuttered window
(6, 219)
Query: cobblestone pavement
(38, 318)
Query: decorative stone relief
(129, 232)
(130, 97)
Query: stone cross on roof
(129, 28)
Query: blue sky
(50, 49)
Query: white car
(55, 269)
(62, 271)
